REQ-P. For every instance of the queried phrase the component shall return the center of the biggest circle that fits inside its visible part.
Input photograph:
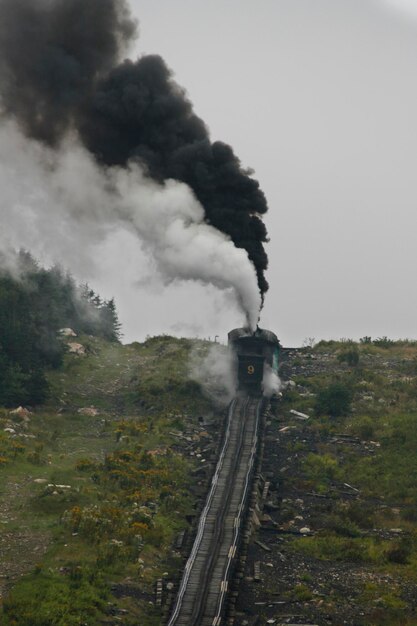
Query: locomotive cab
(254, 353)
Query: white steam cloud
(272, 382)
(61, 204)
(214, 370)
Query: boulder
(76, 348)
(91, 411)
(21, 413)
(67, 332)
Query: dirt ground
(282, 586)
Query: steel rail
(238, 521)
(202, 593)
(202, 522)
(218, 535)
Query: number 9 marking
(251, 369)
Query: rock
(305, 530)
(10, 430)
(21, 412)
(116, 542)
(158, 452)
(263, 545)
(40, 481)
(67, 332)
(299, 415)
(76, 348)
(271, 506)
(91, 411)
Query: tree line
(35, 303)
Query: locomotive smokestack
(61, 75)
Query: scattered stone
(158, 452)
(76, 348)
(350, 487)
(116, 542)
(21, 412)
(298, 415)
(91, 411)
(263, 545)
(67, 332)
(52, 485)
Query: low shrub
(334, 400)
(331, 547)
(51, 599)
(350, 356)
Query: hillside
(97, 484)
(337, 542)
(35, 304)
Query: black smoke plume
(61, 71)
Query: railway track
(208, 572)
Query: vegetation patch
(97, 483)
(342, 489)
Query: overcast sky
(320, 98)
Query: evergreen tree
(35, 303)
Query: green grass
(331, 547)
(371, 531)
(124, 506)
(53, 599)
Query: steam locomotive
(256, 355)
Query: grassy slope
(113, 509)
(117, 521)
(376, 532)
